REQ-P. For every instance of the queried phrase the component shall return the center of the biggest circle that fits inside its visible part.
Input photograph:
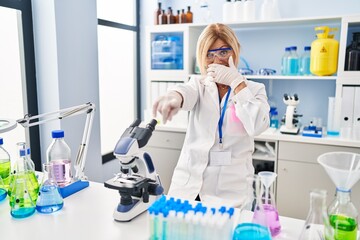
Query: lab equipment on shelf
(267, 214)
(317, 225)
(24, 186)
(305, 62)
(324, 52)
(344, 170)
(334, 115)
(290, 120)
(59, 155)
(293, 62)
(284, 62)
(49, 199)
(4, 167)
(274, 121)
(352, 57)
(137, 182)
(171, 218)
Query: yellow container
(324, 52)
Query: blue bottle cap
(22, 152)
(57, 133)
(307, 48)
(293, 48)
(1, 141)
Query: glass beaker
(49, 199)
(317, 226)
(21, 203)
(265, 212)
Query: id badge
(220, 158)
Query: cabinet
(299, 173)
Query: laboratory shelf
(281, 77)
(263, 157)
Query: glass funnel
(344, 170)
(49, 199)
(265, 212)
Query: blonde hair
(207, 38)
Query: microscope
(137, 182)
(290, 120)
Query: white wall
(288, 9)
(65, 33)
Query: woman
(226, 112)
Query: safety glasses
(221, 53)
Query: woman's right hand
(168, 105)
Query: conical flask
(24, 169)
(344, 170)
(268, 214)
(49, 199)
(21, 203)
(317, 226)
(252, 230)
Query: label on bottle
(62, 171)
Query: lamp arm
(88, 108)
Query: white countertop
(277, 136)
(88, 215)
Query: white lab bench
(88, 215)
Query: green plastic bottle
(343, 216)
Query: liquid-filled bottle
(59, 155)
(293, 62)
(189, 15)
(170, 16)
(182, 18)
(162, 17)
(157, 13)
(352, 58)
(305, 62)
(284, 68)
(343, 216)
(4, 166)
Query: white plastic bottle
(4, 165)
(249, 10)
(238, 10)
(59, 155)
(228, 12)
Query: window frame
(136, 29)
(30, 74)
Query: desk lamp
(79, 181)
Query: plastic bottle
(274, 121)
(249, 10)
(343, 216)
(157, 13)
(284, 59)
(189, 15)
(352, 58)
(324, 52)
(305, 62)
(238, 11)
(293, 62)
(228, 11)
(317, 226)
(4, 166)
(59, 155)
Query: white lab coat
(246, 116)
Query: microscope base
(127, 213)
(285, 130)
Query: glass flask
(265, 212)
(24, 168)
(3, 191)
(4, 166)
(49, 199)
(246, 230)
(21, 203)
(317, 226)
(343, 216)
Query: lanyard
(222, 115)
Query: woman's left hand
(225, 75)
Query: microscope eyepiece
(151, 125)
